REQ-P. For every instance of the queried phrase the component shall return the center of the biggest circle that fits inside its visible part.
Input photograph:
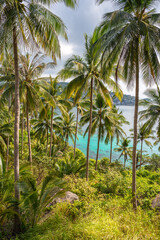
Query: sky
(83, 19)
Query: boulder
(156, 202)
(67, 197)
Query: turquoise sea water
(104, 150)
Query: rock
(68, 197)
(156, 202)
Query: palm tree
(100, 114)
(65, 126)
(41, 128)
(114, 128)
(143, 135)
(35, 24)
(51, 93)
(81, 108)
(88, 77)
(6, 82)
(151, 113)
(130, 37)
(5, 131)
(124, 149)
(69, 166)
(29, 71)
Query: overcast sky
(83, 19)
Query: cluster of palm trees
(32, 24)
(126, 43)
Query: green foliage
(70, 165)
(109, 219)
(154, 163)
(81, 187)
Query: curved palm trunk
(50, 150)
(89, 132)
(141, 153)
(135, 129)
(16, 133)
(29, 136)
(76, 134)
(111, 149)
(99, 135)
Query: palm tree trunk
(22, 134)
(7, 155)
(50, 150)
(47, 142)
(141, 153)
(111, 149)
(16, 133)
(99, 135)
(29, 136)
(66, 141)
(76, 134)
(124, 162)
(89, 132)
(135, 128)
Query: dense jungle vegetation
(115, 198)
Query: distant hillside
(63, 84)
(128, 100)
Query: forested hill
(128, 100)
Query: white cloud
(67, 49)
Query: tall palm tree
(80, 109)
(34, 23)
(86, 79)
(41, 128)
(29, 71)
(143, 135)
(114, 128)
(51, 93)
(100, 114)
(130, 37)
(6, 81)
(124, 149)
(65, 126)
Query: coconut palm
(101, 113)
(151, 113)
(5, 131)
(32, 22)
(6, 82)
(130, 37)
(51, 93)
(143, 135)
(87, 77)
(29, 71)
(124, 149)
(114, 128)
(41, 128)
(81, 106)
(65, 126)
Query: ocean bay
(104, 149)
